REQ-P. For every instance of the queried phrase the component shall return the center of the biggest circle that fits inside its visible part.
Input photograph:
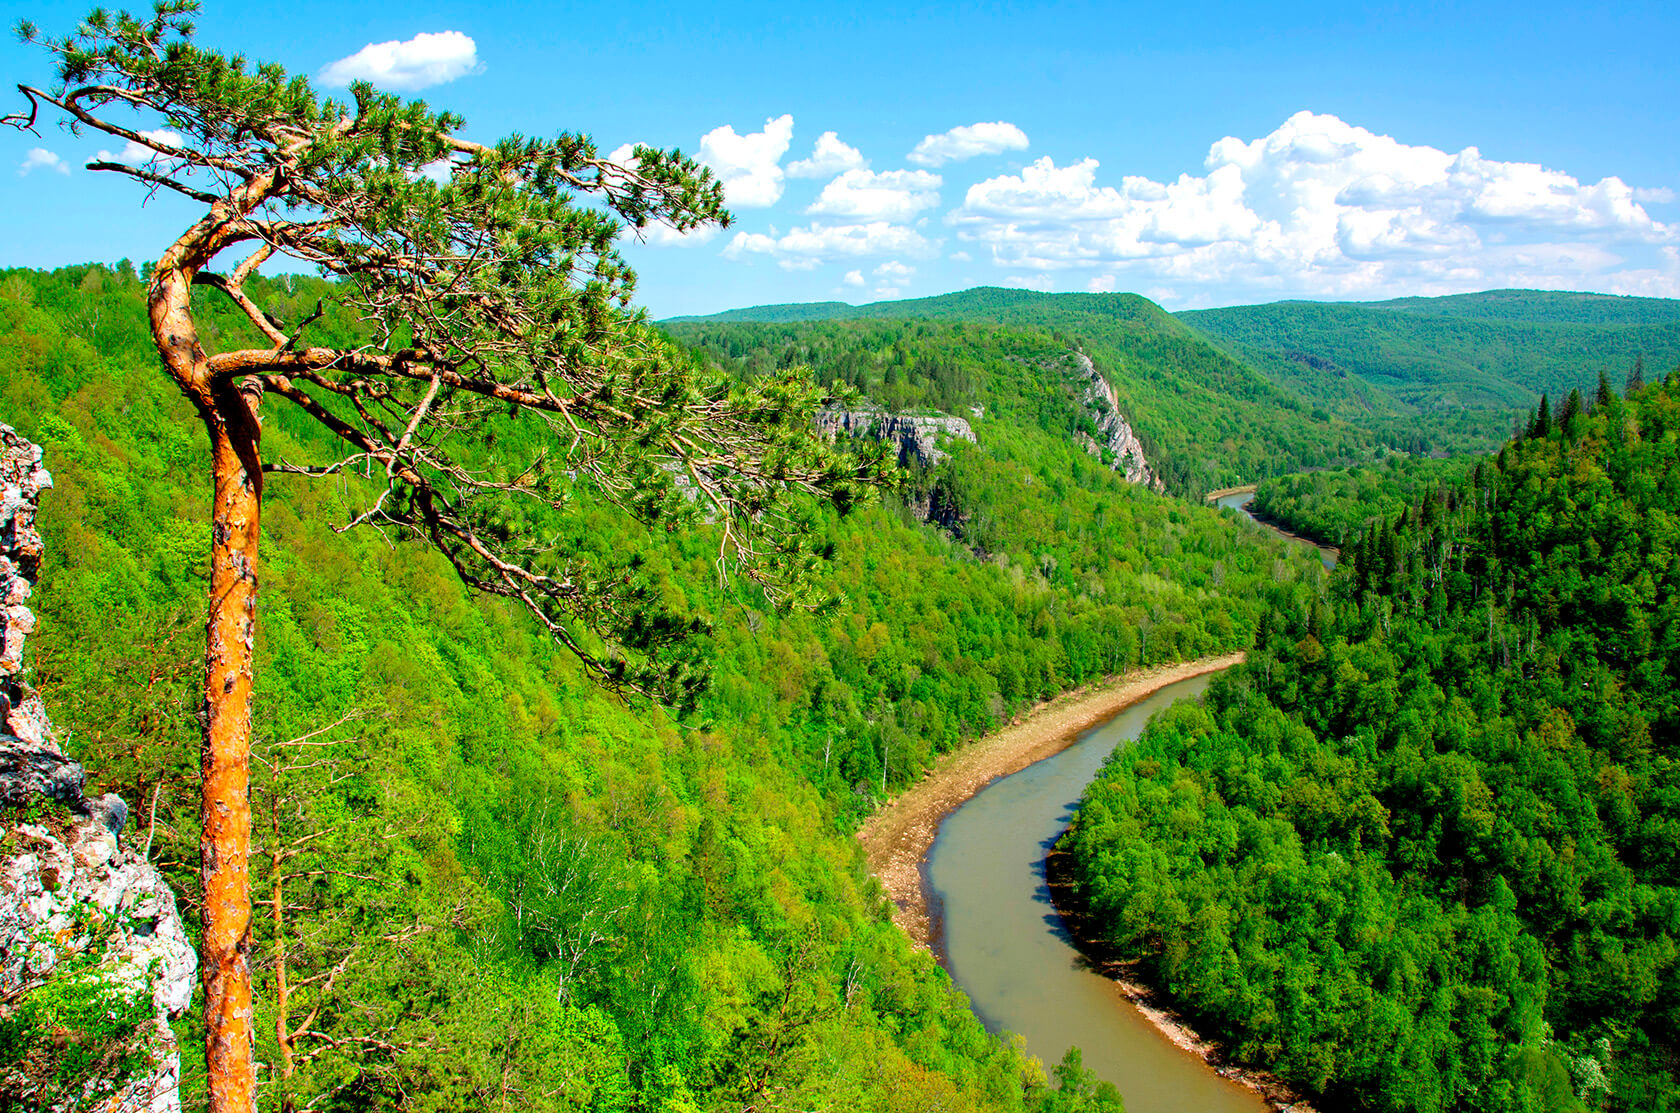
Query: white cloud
(749, 165)
(663, 235)
(1323, 208)
(39, 158)
(829, 156)
(967, 142)
(1656, 195)
(853, 278)
(811, 246)
(888, 195)
(894, 277)
(429, 58)
(138, 154)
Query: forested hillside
(1457, 367)
(1423, 851)
(1208, 420)
(1332, 507)
(498, 887)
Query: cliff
(916, 438)
(93, 959)
(1115, 433)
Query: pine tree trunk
(225, 841)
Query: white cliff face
(1114, 431)
(917, 438)
(75, 903)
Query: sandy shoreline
(1245, 489)
(896, 839)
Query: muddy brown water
(1005, 946)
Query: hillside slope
(535, 895)
(1422, 852)
(1440, 360)
(1209, 420)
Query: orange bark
(236, 475)
(224, 844)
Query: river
(1239, 501)
(1004, 943)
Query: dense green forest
(1422, 852)
(512, 889)
(1332, 506)
(1457, 369)
(1207, 420)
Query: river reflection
(1004, 944)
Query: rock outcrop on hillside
(85, 922)
(916, 438)
(1115, 433)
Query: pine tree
(1605, 395)
(494, 292)
(1636, 377)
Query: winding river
(1004, 943)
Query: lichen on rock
(92, 952)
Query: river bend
(1004, 942)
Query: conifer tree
(494, 295)
(1605, 395)
(1636, 377)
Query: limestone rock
(916, 438)
(1115, 433)
(73, 897)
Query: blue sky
(1201, 154)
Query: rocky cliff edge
(93, 959)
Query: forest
(530, 890)
(1335, 505)
(1207, 420)
(1422, 852)
(1455, 369)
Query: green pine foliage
(1423, 851)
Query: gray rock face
(916, 438)
(1115, 432)
(71, 895)
(22, 479)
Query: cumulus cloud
(39, 158)
(968, 141)
(892, 278)
(139, 154)
(829, 156)
(888, 195)
(749, 165)
(429, 58)
(853, 278)
(1322, 207)
(809, 247)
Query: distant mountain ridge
(1200, 417)
(1001, 304)
(1495, 350)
